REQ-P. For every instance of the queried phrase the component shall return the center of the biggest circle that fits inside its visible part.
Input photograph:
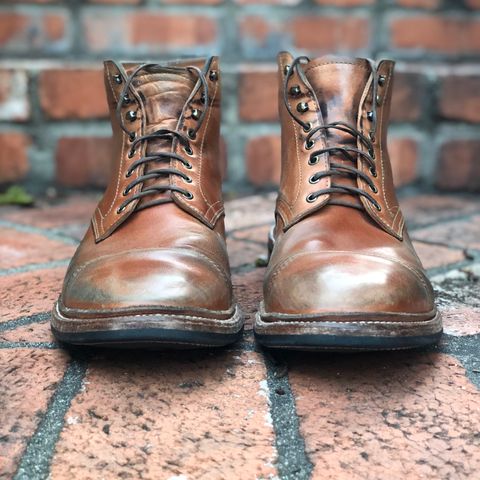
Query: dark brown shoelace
(164, 134)
(350, 153)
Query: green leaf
(16, 195)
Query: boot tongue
(339, 85)
(164, 93)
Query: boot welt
(355, 335)
(155, 330)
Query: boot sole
(144, 331)
(340, 336)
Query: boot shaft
(334, 117)
(165, 121)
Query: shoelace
(350, 153)
(165, 134)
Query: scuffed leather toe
(345, 283)
(142, 279)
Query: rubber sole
(148, 331)
(347, 336)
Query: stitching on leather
(237, 314)
(282, 265)
(190, 206)
(203, 142)
(120, 170)
(381, 146)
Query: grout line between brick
(35, 462)
(22, 321)
(59, 237)
(466, 349)
(292, 461)
(34, 266)
(38, 345)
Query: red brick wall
(53, 125)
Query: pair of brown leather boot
(153, 266)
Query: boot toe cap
(346, 283)
(157, 278)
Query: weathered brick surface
(458, 167)
(76, 209)
(409, 97)
(37, 332)
(443, 34)
(433, 256)
(39, 31)
(321, 33)
(262, 157)
(20, 248)
(61, 46)
(427, 4)
(460, 98)
(73, 94)
(146, 422)
(29, 378)
(146, 31)
(404, 157)
(396, 415)
(448, 233)
(14, 163)
(14, 102)
(83, 161)
(258, 96)
(25, 294)
(207, 414)
(429, 209)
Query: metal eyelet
(373, 172)
(302, 107)
(373, 188)
(131, 154)
(382, 79)
(286, 69)
(188, 150)
(118, 79)
(126, 100)
(213, 75)
(311, 198)
(370, 116)
(307, 127)
(379, 100)
(128, 174)
(126, 192)
(313, 179)
(313, 160)
(309, 145)
(120, 210)
(188, 195)
(188, 166)
(131, 115)
(132, 136)
(188, 179)
(378, 207)
(196, 113)
(192, 134)
(295, 90)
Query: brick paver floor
(237, 413)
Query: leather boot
(153, 266)
(343, 273)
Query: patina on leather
(155, 248)
(341, 251)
